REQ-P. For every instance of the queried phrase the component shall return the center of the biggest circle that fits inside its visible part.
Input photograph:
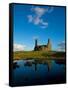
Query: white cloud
(38, 11)
(30, 18)
(37, 21)
(50, 9)
(44, 24)
(61, 46)
(36, 18)
(18, 47)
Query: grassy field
(38, 55)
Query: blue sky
(40, 22)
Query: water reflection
(60, 61)
(48, 63)
(27, 72)
(28, 63)
(15, 65)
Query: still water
(32, 72)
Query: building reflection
(36, 62)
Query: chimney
(35, 42)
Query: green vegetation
(38, 55)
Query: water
(32, 72)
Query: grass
(38, 55)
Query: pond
(38, 72)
